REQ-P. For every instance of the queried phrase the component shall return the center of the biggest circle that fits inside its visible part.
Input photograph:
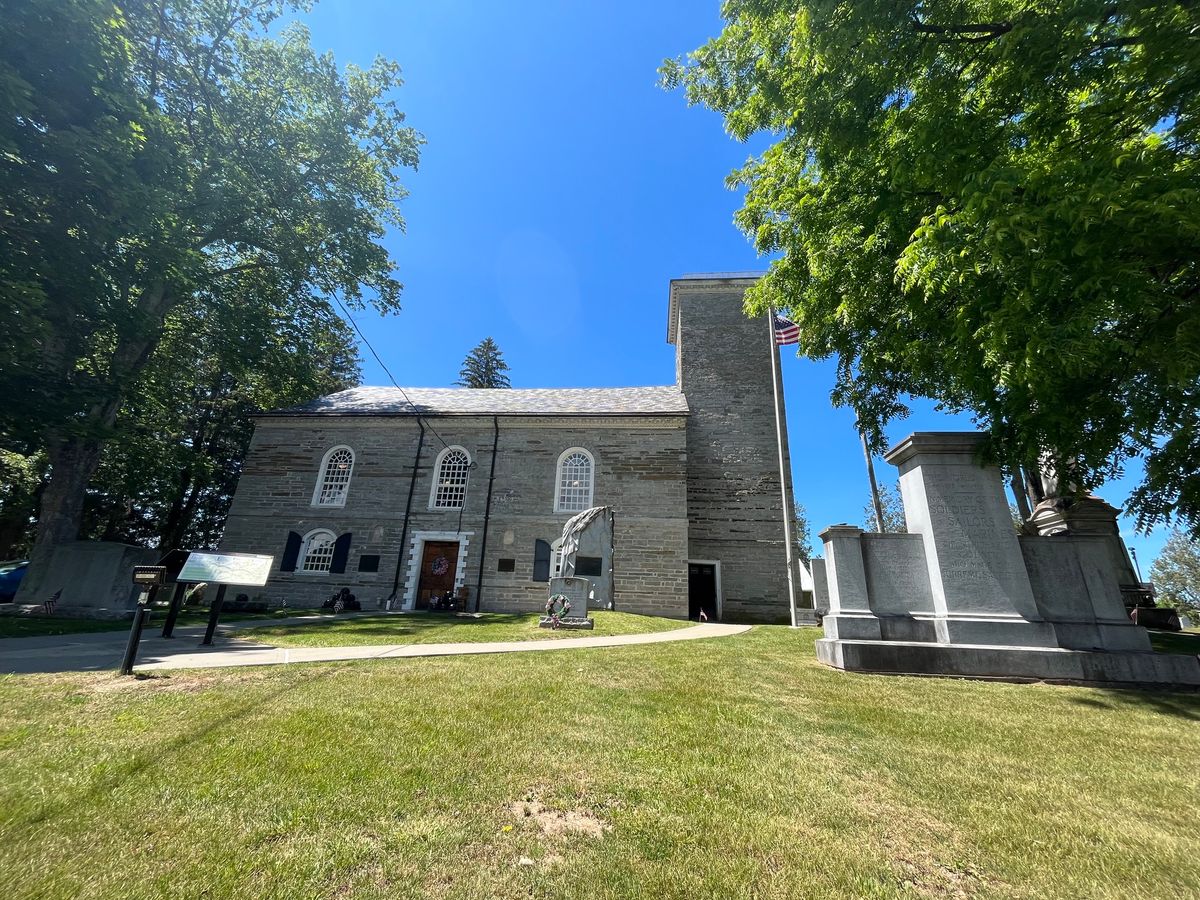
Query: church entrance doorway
(439, 562)
(704, 590)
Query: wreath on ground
(557, 607)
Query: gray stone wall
(640, 465)
(735, 507)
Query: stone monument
(92, 578)
(567, 606)
(963, 594)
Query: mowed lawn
(434, 628)
(731, 767)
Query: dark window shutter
(541, 561)
(291, 552)
(341, 553)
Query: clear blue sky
(560, 191)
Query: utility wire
(362, 337)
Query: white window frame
(306, 546)
(437, 477)
(556, 558)
(323, 475)
(558, 476)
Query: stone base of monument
(1011, 663)
(962, 594)
(570, 622)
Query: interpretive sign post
(224, 569)
(214, 613)
(173, 609)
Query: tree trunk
(75, 457)
(73, 461)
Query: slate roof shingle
(388, 401)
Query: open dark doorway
(702, 591)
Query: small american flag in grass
(786, 331)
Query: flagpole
(788, 510)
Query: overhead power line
(362, 337)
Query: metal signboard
(248, 569)
(148, 576)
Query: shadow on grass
(140, 762)
(1175, 642)
(1183, 704)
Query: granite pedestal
(962, 595)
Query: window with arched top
(573, 492)
(334, 480)
(316, 553)
(451, 470)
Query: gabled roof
(389, 401)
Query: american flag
(786, 331)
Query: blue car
(11, 574)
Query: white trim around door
(417, 547)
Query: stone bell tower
(735, 506)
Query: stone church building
(467, 491)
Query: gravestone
(575, 591)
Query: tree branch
(975, 33)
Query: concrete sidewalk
(103, 650)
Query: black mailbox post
(148, 578)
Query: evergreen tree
(484, 367)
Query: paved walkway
(103, 650)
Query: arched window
(573, 492)
(316, 553)
(334, 481)
(450, 479)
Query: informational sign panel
(227, 568)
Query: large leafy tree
(1176, 575)
(186, 425)
(484, 367)
(993, 204)
(153, 154)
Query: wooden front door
(439, 562)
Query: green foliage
(802, 537)
(157, 161)
(21, 480)
(484, 367)
(185, 428)
(990, 203)
(893, 511)
(1176, 575)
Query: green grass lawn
(432, 628)
(13, 626)
(1176, 641)
(38, 626)
(732, 767)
